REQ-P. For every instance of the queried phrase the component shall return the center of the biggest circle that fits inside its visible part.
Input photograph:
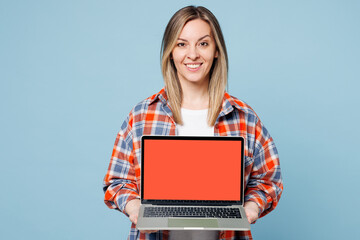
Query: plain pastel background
(71, 70)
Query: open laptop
(192, 183)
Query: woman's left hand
(252, 211)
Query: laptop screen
(192, 168)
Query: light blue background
(71, 71)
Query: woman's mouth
(193, 66)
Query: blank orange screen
(192, 170)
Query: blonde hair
(219, 69)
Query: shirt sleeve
(120, 182)
(265, 185)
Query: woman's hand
(252, 211)
(132, 208)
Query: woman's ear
(216, 54)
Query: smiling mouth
(193, 66)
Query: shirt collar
(160, 96)
(228, 105)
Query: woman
(194, 102)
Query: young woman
(194, 102)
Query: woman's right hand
(132, 208)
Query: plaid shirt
(153, 116)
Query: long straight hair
(219, 69)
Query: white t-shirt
(195, 123)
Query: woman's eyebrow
(203, 37)
(181, 39)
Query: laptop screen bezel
(192, 202)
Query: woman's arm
(120, 182)
(264, 186)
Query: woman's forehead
(195, 29)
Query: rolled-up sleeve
(265, 184)
(120, 182)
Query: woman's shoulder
(153, 99)
(141, 109)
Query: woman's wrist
(252, 211)
(252, 205)
(131, 206)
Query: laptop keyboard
(196, 212)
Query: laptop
(192, 183)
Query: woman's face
(194, 52)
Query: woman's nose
(193, 53)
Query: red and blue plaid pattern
(153, 116)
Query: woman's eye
(181, 44)
(204, 44)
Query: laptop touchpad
(193, 223)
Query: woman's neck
(195, 95)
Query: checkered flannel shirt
(153, 116)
